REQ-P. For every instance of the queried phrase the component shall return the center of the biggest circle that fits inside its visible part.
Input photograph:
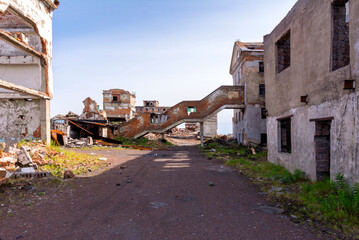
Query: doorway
(322, 149)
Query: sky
(165, 50)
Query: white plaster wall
(27, 75)
(210, 126)
(344, 137)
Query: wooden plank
(22, 89)
(321, 119)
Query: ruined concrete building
(119, 105)
(25, 68)
(152, 106)
(311, 76)
(92, 112)
(247, 69)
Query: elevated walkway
(225, 97)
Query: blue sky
(167, 50)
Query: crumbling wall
(91, 111)
(344, 137)
(119, 104)
(19, 118)
(25, 62)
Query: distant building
(119, 105)
(151, 107)
(247, 69)
(311, 74)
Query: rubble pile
(183, 133)
(19, 160)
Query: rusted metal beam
(22, 89)
(80, 127)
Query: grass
(63, 160)
(331, 203)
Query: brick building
(151, 106)
(311, 76)
(247, 69)
(119, 105)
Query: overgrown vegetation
(62, 160)
(334, 203)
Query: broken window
(261, 67)
(285, 135)
(262, 90)
(340, 41)
(283, 52)
(191, 110)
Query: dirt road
(153, 195)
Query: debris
(118, 184)
(103, 159)
(128, 180)
(24, 157)
(123, 167)
(253, 151)
(68, 174)
(158, 204)
(182, 198)
(294, 216)
(27, 170)
(270, 210)
(89, 141)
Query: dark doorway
(322, 149)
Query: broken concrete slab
(24, 157)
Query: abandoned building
(247, 69)
(92, 112)
(312, 98)
(152, 106)
(119, 105)
(25, 68)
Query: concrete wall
(210, 126)
(310, 73)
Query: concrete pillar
(45, 121)
(163, 136)
(201, 132)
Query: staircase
(225, 97)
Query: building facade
(312, 98)
(151, 106)
(119, 105)
(247, 69)
(25, 69)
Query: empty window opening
(264, 138)
(340, 41)
(285, 136)
(264, 113)
(262, 90)
(191, 110)
(114, 98)
(322, 149)
(283, 52)
(261, 67)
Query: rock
(123, 167)
(276, 189)
(68, 174)
(27, 170)
(211, 184)
(103, 159)
(293, 216)
(269, 209)
(24, 157)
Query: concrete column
(45, 121)
(201, 132)
(163, 136)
